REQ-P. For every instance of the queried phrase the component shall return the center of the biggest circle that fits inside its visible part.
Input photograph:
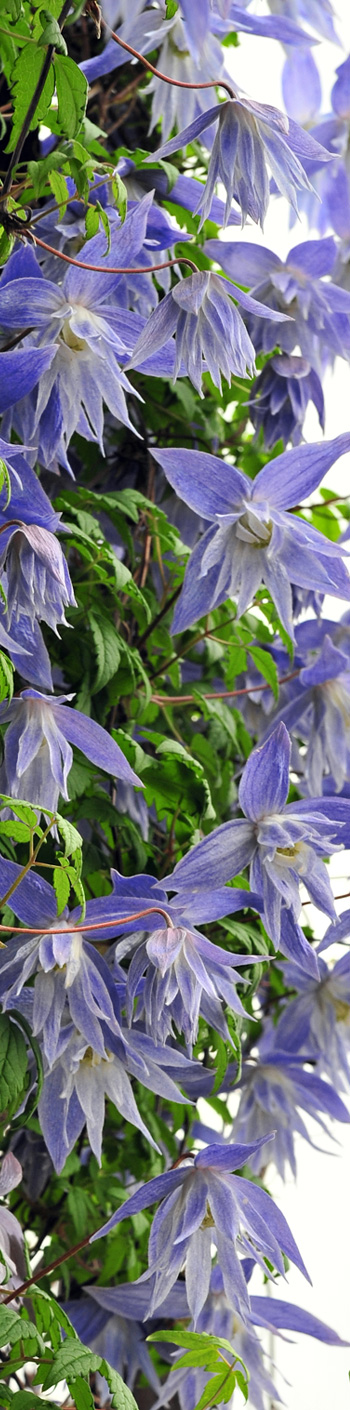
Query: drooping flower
(280, 396)
(117, 1336)
(317, 1021)
(38, 579)
(210, 333)
(202, 1201)
(281, 843)
(301, 286)
(251, 538)
(250, 138)
(318, 712)
(276, 1089)
(11, 1235)
(37, 751)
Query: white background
(318, 1205)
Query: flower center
(253, 530)
(70, 338)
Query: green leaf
(6, 245)
(107, 648)
(72, 90)
(62, 888)
(106, 226)
(81, 1393)
(59, 191)
(267, 667)
(51, 33)
(218, 1390)
(92, 222)
(13, 1066)
(5, 479)
(71, 836)
(14, 1329)
(6, 678)
(24, 78)
(120, 195)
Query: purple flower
(251, 538)
(38, 580)
(280, 396)
(69, 974)
(210, 333)
(250, 138)
(276, 1088)
(38, 754)
(282, 843)
(11, 1237)
(116, 1336)
(318, 308)
(202, 1201)
(317, 1021)
(319, 713)
(91, 338)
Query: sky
(317, 1206)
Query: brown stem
(106, 268)
(6, 188)
(74, 929)
(217, 694)
(175, 82)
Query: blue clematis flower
(208, 327)
(282, 843)
(251, 538)
(318, 710)
(117, 1336)
(92, 338)
(38, 754)
(202, 1201)
(319, 309)
(317, 1021)
(280, 397)
(38, 579)
(276, 1088)
(250, 137)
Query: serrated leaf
(72, 91)
(71, 836)
(92, 222)
(6, 678)
(14, 1329)
(12, 827)
(22, 809)
(13, 1064)
(81, 1393)
(107, 648)
(59, 191)
(267, 667)
(62, 888)
(24, 78)
(215, 1391)
(106, 226)
(120, 195)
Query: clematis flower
(317, 1021)
(116, 1336)
(202, 1202)
(280, 396)
(282, 843)
(250, 138)
(37, 751)
(11, 1236)
(208, 326)
(251, 538)
(91, 341)
(319, 711)
(38, 579)
(301, 286)
(276, 1087)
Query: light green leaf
(24, 78)
(71, 836)
(59, 191)
(81, 1394)
(62, 888)
(267, 667)
(107, 648)
(92, 222)
(120, 195)
(13, 1067)
(72, 90)
(5, 480)
(6, 678)
(14, 1328)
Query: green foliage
(24, 78)
(71, 88)
(13, 1067)
(205, 1350)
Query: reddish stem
(106, 268)
(217, 694)
(175, 82)
(98, 925)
